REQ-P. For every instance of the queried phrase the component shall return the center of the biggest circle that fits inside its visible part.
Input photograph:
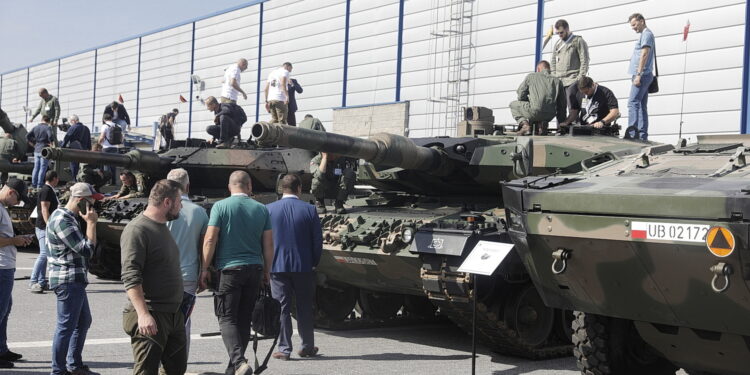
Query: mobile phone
(83, 206)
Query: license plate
(669, 231)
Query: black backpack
(115, 135)
(266, 322)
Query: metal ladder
(449, 84)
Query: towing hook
(720, 269)
(562, 256)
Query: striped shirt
(69, 250)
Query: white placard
(485, 257)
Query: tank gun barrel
(25, 167)
(380, 149)
(144, 161)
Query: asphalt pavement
(415, 349)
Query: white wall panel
(42, 76)
(165, 74)
(373, 48)
(77, 87)
(117, 74)
(14, 96)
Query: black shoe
(339, 206)
(320, 206)
(10, 356)
(6, 364)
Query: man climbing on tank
(228, 121)
(333, 176)
(541, 97)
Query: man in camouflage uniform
(333, 176)
(10, 150)
(48, 106)
(541, 97)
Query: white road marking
(118, 340)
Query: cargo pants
(279, 111)
(167, 347)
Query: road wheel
(333, 303)
(611, 346)
(419, 307)
(380, 305)
(526, 314)
(564, 325)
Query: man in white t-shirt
(231, 86)
(277, 96)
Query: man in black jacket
(294, 87)
(78, 137)
(119, 115)
(228, 121)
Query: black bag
(654, 86)
(267, 322)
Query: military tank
(652, 253)
(209, 169)
(432, 200)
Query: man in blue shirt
(641, 71)
(298, 244)
(39, 138)
(239, 233)
(188, 231)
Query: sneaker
(308, 352)
(6, 364)
(222, 145)
(244, 369)
(10, 356)
(281, 355)
(320, 206)
(36, 288)
(339, 206)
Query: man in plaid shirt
(69, 252)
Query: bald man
(231, 86)
(239, 246)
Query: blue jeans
(112, 168)
(74, 170)
(73, 322)
(39, 273)
(40, 168)
(6, 301)
(638, 108)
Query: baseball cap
(20, 187)
(82, 189)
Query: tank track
(451, 292)
(353, 323)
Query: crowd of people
(170, 253)
(561, 88)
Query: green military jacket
(570, 60)
(311, 123)
(49, 107)
(8, 148)
(545, 94)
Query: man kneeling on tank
(228, 121)
(333, 176)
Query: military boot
(339, 206)
(320, 206)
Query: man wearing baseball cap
(13, 193)
(69, 253)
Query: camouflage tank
(652, 253)
(209, 169)
(433, 199)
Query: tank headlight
(407, 234)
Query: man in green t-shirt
(239, 245)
